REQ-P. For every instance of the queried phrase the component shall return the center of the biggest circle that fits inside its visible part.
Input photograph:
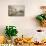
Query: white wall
(26, 24)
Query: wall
(26, 25)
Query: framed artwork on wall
(16, 10)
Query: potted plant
(10, 31)
(42, 17)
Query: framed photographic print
(16, 10)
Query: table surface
(31, 45)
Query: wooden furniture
(2, 40)
(23, 40)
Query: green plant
(41, 17)
(11, 31)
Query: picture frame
(16, 10)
